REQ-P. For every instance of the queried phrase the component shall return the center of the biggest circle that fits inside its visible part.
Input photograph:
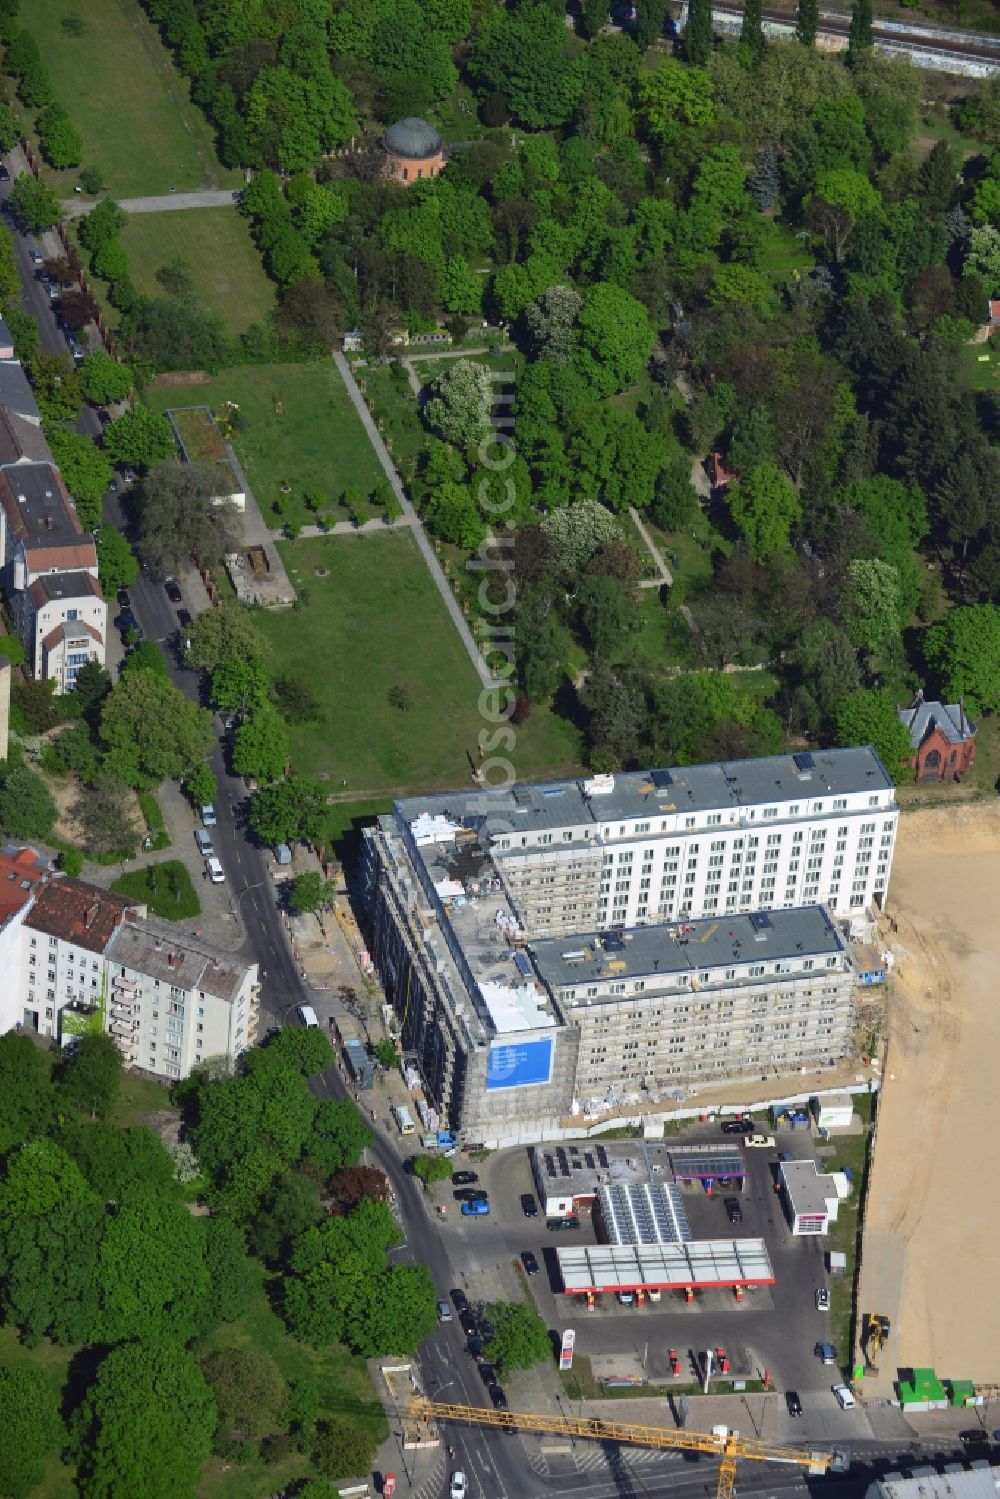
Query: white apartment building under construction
(640, 931)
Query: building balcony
(123, 1028)
(128, 986)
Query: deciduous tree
(182, 514)
(152, 732)
(963, 650)
(227, 633)
(145, 1424)
(870, 717)
(764, 507)
(139, 437)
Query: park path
(348, 528)
(208, 197)
(664, 575)
(433, 566)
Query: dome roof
(413, 138)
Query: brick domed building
(413, 150)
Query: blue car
(477, 1209)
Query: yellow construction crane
(722, 1443)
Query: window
(873, 801)
(689, 822)
(840, 804)
(714, 818)
(769, 812)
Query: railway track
(927, 46)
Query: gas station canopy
(699, 1264)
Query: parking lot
(775, 1328)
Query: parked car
(208, 816)
(528, 1205)
(560, 1225)
(466, 1318)
(487, 1374)
(204, 842)
(444, 1311)
(183, 618)
(36, 257)
(459, 1486)
(822, 1299)
(4, 173)
(759, 1142)
(173, 590)
(217, 875)
(128, 474)
(733, 1210)
(475, 1344)
(478, 1209)
(126, 621)
(124, 602)
(459, 1300)
(975, 1436)
(529, 1262)
(826, 1353)
(845, 1399)
(793, 1403)
(737, 1127)
(463, 1178)
(498, 1397)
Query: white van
(307, 1015)
(404, 1119)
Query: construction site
(930, 1256)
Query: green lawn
(299, 429)
(166, 889)
(215, 245)
(784, 253)
(138, 1098)
(371, 622)
(342, 1382)
(122, 92)
(979, 366)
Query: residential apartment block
(72, 951)
(705, 999)
(48, 563)
(545, 944)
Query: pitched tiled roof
(74, 629)
(77, 912)
(21, 870)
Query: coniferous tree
(764, 181)
(698, 32)
(807, 22)
(751, 32)
(861, 38)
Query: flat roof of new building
(700, 1264)
(772, 779)
(809, 1190)
(684, 948)
(482, 919)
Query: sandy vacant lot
(932, 1239)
